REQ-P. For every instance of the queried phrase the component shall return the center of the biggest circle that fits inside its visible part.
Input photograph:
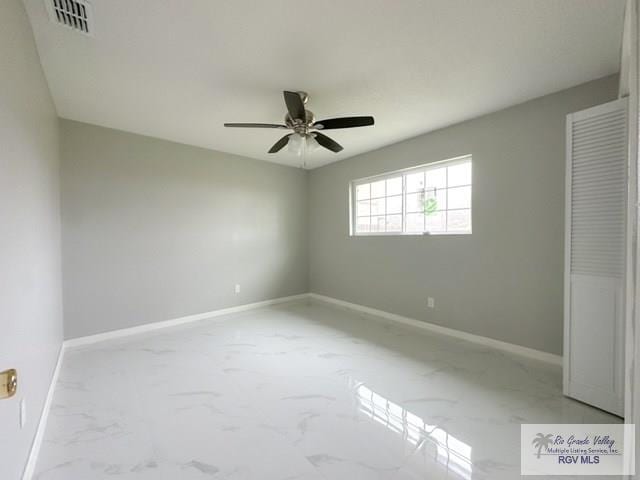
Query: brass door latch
(8, 383)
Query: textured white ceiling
(179, 69)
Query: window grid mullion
(423, 192)
(385, 205)
(404, 203)
(446, 211)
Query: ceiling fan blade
(343, 122)
(295, 105)
(280, 144)
(255, 125)
(328, 143)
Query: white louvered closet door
(596, 203)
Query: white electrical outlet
(237, 288)
(431, 303)
(23, 413)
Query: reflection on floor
(297, 391)
(448, 451)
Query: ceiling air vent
(74, 14)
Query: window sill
(398, 234)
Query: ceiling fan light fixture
(296, 144)
(312, 144)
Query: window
(434, 198)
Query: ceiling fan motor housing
(298, 125)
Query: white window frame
(404, 172)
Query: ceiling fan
(304, 125)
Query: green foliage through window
(430, 206)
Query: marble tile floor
(302, 391)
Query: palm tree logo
(542, 441)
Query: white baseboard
(470, 337)
(478, 339)
(42, 424)
(148, 327)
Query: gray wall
(505, 281)
(154, 230)
(30, 285)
